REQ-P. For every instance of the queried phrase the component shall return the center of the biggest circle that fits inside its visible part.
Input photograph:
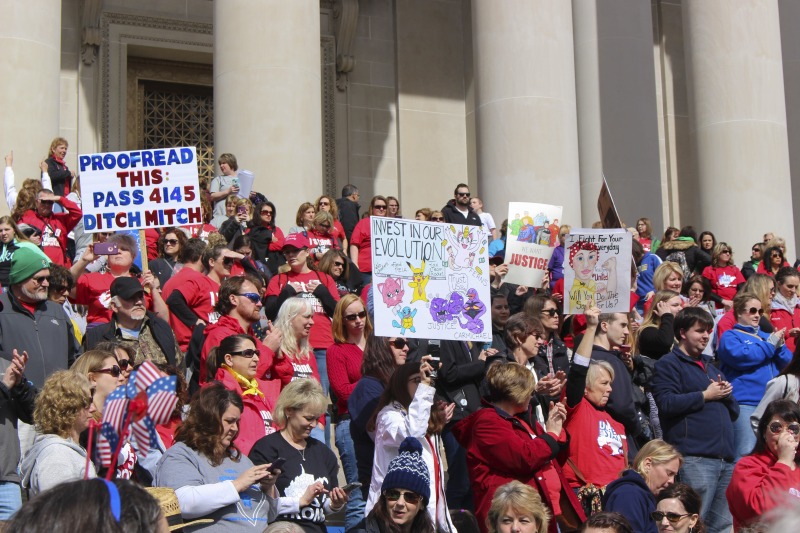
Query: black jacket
(696, 259)
(348, 215)
(454, 216)
(160, 329)
(459, 377)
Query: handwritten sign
(140, 189)
(430, 280)
(532, 235)
(597, 267)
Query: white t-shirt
(488, 222)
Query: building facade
(687, 107)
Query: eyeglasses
(551, 312)
(249, 353)
(124, 363)
(252, 296)
(338, 263)
(754, 310)
(351, 318)
(464, 194)
(399, 343)
(379, 207)
(114, 371)
(437, 219)
(658, 516)
(777, 427)
(392, 495)
(41, 279)
(266, 212)
(324, 203)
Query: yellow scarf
(249, 387)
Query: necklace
(301, 451)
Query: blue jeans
(743, 437)
(710, 478)
(355, 505)
(10, 499)
(459, 490)
(322, 366)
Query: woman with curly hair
(211, 477)
(170, 243)
(63, 410)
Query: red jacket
(55, 229)
(781, 318)
(500, 449)
(759, 484)
(225, 327)
(257, 420)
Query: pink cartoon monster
(392, 291)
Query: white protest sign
(597, 267)
(140, 189)
(430, 280)
(532, 236)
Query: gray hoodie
(53, 460)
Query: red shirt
(322, 242)
(362, 239)
(94, 291)
(201, 231)
(225, 327)
(256, 420)
(55, 229)
(339, 230)
(724, 280)
(320, 336)
(287, 369)
(200, 293)
(344, 371)
(597, 445)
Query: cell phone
(235, 182)
(351, 486)
(276, 465)
(242, 210)
(435, 363)
(105, 248)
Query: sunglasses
(399, 343)
(41, 279)
(324, 203)
(59, 288)
(114, 371)
(265, 212)
(658, 516)
(249, 353)
(550, 312)
(392, 495)
(124, 363)
(777, 255)
(437, 219)
(465, 194)
(754, 310)
(90, 399)
(252, 296)
(726, 252)
(378, 207)
(777, 427)
(351, 318)
(171, 242)
(338, 263)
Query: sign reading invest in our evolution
(430, 280)
(140, 189)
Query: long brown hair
(396, 391)
(340, 324)
(378, 360)
(202, 429)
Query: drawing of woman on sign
(583, 258)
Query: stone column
(616, 95)
(30, 38)
(524, 81)
(737, 103)
(790, 37)
(267, 96)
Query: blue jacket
(631, 497)
(644, 279)
(750, 361)
(691, 424)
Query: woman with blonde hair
(322, 235)
(668, 276)
(517, 507)
(63, 410)
(310, 467)
(655, 337)
(326, 203)
(634, 494)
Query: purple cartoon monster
(473, 310)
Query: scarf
(249, 386)
(779, 301)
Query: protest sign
(532, 235)
(430, 280)
(140, 189)
(246, 180)
(597, 267)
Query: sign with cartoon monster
(430, 280)
(532, 236)
(597, 268)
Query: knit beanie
(25, 263)
(408, 470)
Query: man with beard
(30, 323)
(458, 210)
(133, 325)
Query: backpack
(679, 257)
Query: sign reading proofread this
(140, 189)
(430, 280)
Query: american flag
(149, 398)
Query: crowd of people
(680, 415)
